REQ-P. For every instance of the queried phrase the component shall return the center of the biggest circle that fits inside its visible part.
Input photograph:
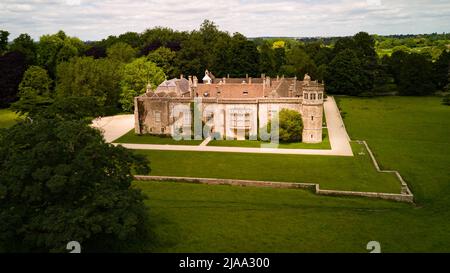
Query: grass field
(331, 172)
(408, 134)
(325, 144)
(131, 137)
(7, 118)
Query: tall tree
(25, 45)
(441, 70)
(136, 76)
(267, 63)
(57, 48)
(298, 63)
(60, 182)
(416, 76)
(34, 90)
(3, 41)
(344, 74)
(12, 66)
(87, 77)
(121, 52)
(164, 58)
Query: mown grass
(324, 145)
(408, 134)
(131, 137)
(331, 172)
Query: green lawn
(7, 118)
(207, 218)
(408, 134)
(331, 172)
(325, 144)
(131, 137)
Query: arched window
(306, 96)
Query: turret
(312, 110)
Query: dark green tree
(344, 75)
(441, 70)
(267, 63)
(85, 76)
(121, 52)
(34, 91)
(25, 45)
(60, 182)
(3, 41)
(164, 58)
(416, 76)
(12, 66)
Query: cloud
(92, 20)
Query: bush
(290, 126)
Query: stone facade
(232, 108)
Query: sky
(97, 19)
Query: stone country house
(235, 108)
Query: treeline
(117, 68)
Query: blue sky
(96, 19)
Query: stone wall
(403, 197)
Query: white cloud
(92, 20)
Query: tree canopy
(60, 182)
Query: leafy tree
(193, 57)
(12, 66)
(164, 58)
(85, 76)
(441, 70)
(161, 37)
(25, 45)
(290, 126)
(136, 76)
(96, 51)
(36, 81)
(34, 90)
(3, 41)
(267, 62)
(298, 63)
(57, 48)
(416, 76)
(121, 52)
(131, 38)
(344, 74)
(60, 182)
(239, 57)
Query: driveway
(114, 127)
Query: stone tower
(312, 110)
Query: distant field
(408, 134)
(7, 118)
(131, 137)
